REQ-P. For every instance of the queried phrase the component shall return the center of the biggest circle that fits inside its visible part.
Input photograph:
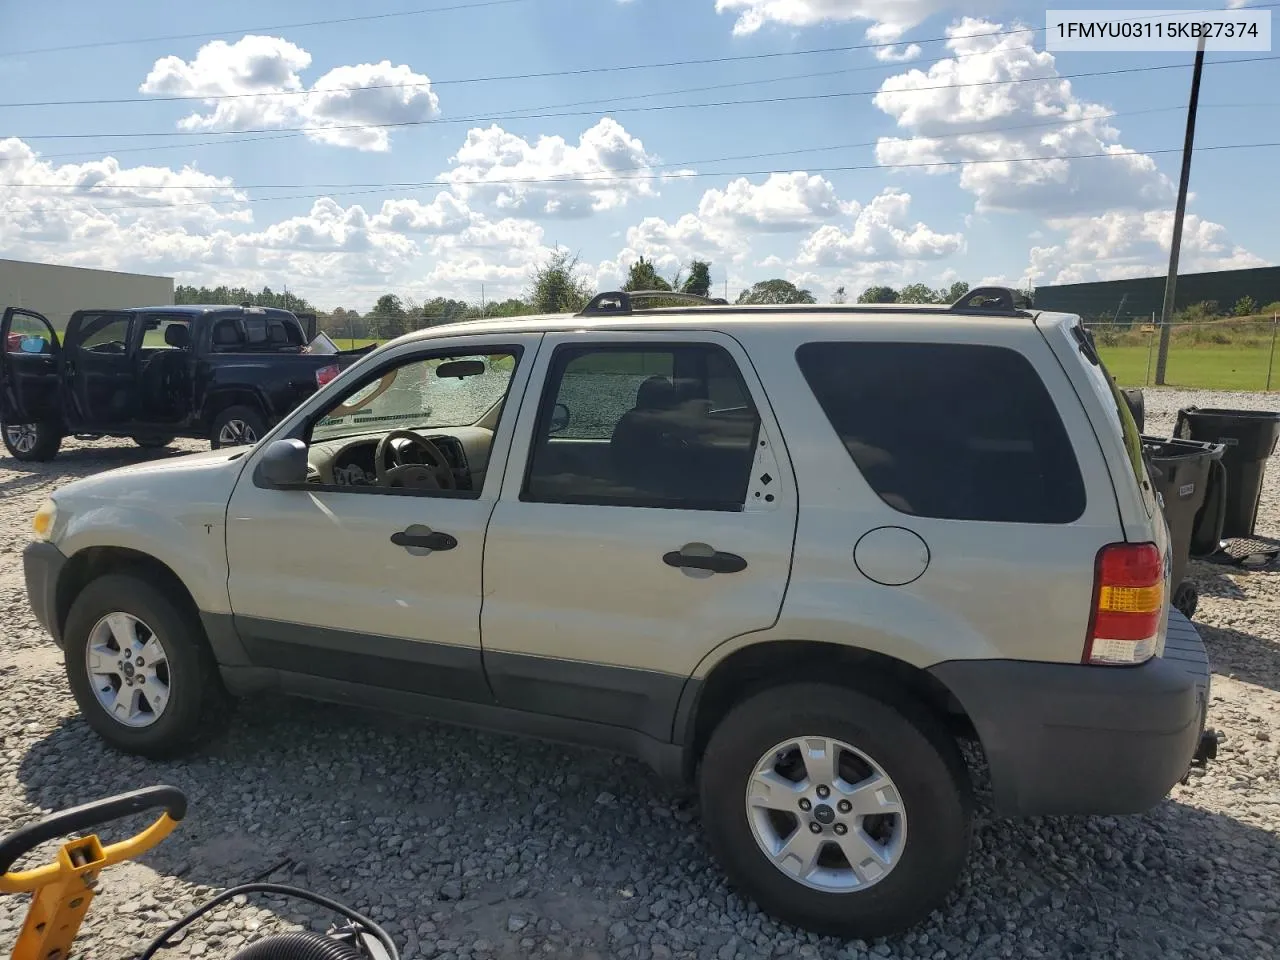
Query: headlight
(42, 522)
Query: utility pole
(1175, 246)
(482, 301)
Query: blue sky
(143, 202)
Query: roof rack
(619, 301)
(987, 301)
(999, 299)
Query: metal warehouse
(57, 291)
(1139, 298)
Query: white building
(58, 291)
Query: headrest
(226, 334)
(178, 335)
(655, 393)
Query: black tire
(198, 705)
(250, 422)
(48, 439)
(918, 756)
(153, 443)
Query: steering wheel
(435, 474)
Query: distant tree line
(554, 286)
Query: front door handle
(701, 557)
(425, 541)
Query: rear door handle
(715, 561)
(425, 541)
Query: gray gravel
(476, 846)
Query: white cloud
(603, 151)
(962, 99)
(889, 21)
(445, 214)
(784, 202)
(881, 231)
(1122, 244)
(896, 54)
(262, 77)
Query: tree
(555, 287)
(643, 276)
(955, 292)
(389, 317)
(1245, 306)
(879, 294)
(839, 296)
(698, 282)
(915, 293)
(776, 291)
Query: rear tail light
(1129, 598)
(325, 374)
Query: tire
(246, 421)
(32, 442)
(196, 706)
(920, 760)
(153, 443)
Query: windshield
(416, 396)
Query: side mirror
(283, 465)
(559, 418)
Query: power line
(434, 83)
(758, 101)
(688, 176)
(659, 166)
(559, 73)
(275, 26)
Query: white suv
(792, 554)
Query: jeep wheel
(153, 443)
(236, 426)
(835, 811)
(32, 441)
(140, 668)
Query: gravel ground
(470, 845)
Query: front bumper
(1073, 739)
(42, 564)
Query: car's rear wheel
(140, 668)
(836, 811)
(32, 441)
(237, 426)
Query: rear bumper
(42, 565)
(1073, 739)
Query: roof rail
(617, 302)
(996, 299)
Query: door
(29, 380)
(648, 515)
(368, 577)
(100, 368)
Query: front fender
(192, 544)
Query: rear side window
(952, 431)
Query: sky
(445, 147)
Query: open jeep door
(30, 385)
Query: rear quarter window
(950, 431)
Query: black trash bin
(1248, 438)
(1180, 470)
(1137, 404)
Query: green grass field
(1206, 366)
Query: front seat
(640, 448)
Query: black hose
(279, 889)
(298, 946)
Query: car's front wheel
(836, 811)
(140, 668)
(32, 442)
